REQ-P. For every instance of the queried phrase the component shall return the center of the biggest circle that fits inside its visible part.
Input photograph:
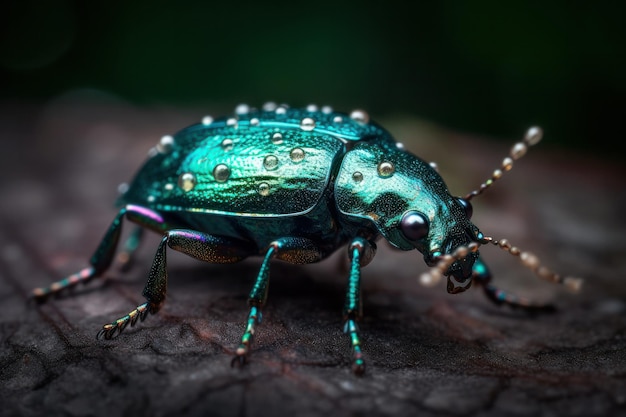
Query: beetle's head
(448, 233)
(408, 203)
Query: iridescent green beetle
(295, 185)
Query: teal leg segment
(293, 250)
(200, 245)
(482, 276)
(104, 254)
(126, 256)
(361, 252)
(256, 300)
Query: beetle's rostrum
(296, 185)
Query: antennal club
(532, 137)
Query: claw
(240, 360)
(500, 297)
(83, 276)
(358, 367)
(108, 332)
(111, 330)
(358, 363)
(37, 296)
(254, 317)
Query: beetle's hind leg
(482, 276)
(104, 254)
(200, 245)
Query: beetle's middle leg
(361, 253)
(482, 276)
(290, 249)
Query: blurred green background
(486, 67)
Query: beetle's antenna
(529, 260)
(532, 137)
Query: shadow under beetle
(295, 185)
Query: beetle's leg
(361, 253)
(289, 249)
(126, 256)
(154, 292)
(200, 245)
(104, 254)
(482, 276)
(256, 300)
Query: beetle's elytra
(295, 185)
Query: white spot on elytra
(264, 189)
(242, 109)
(270, 162)
(296, 154)
(269, 106)
(221, 172)
(360, 116)
(277, 138)
(166, 144)
(187, 181)
(227, 144)
(307, 124)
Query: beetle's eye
(414, 225)
(467, 206)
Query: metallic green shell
(263, 163)
(323, 175)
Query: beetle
(296, 185)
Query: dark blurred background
(486, 67)
(87, 87)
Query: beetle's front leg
(209, 248)
(290, 249)
(361, 253)
(482, 276)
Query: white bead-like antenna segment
(531, 261)
(532, 137)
